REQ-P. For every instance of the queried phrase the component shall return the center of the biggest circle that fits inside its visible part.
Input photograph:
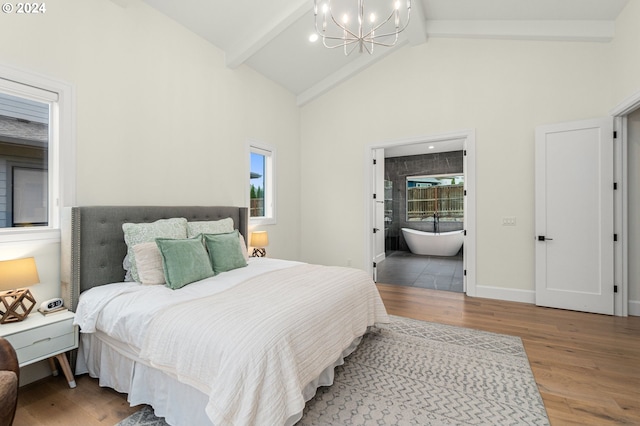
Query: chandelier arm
(380, 43)
(339, 25)
(342, 27)
(350, 50)
(399, 29)
(323, 35)
(347, 42)
(369, 51)
(368, 39)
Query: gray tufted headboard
(93, 246)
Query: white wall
(160, 119)
(503, 89)
(625, 63)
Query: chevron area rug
(413, 372)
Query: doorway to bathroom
(424, 185)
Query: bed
(248, 345)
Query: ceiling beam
(591, 31)
(352, 68)
(242, 51)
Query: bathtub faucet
(436, 223)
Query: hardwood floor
(587, 366)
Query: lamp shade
(259, 239)
(18, 273)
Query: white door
(378, 206)
(574, 216)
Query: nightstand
(41, 337)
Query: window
(37, 165)
(24, 162)
(261, 184)
(439, 196)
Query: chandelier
(349, 26)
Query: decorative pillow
(149, 263)
(183, 261)
(243, 247)
(136, 233)
(225, 251)
(221, 226)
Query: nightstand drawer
(43, 340)
(45, 346)
(53, 330)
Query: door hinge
(375, 264)
(375, 230)
(615, 134)
(374, 196)
(464, 192)
(464, 272)
(615, 237)
(615, 288)
(465, 232)
(464, 152)
(374, 162)
(615, 186)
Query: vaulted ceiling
(272, 36)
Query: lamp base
(259, 252)
(15, 305)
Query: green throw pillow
(225, 252)
(183, 261)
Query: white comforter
(252, 346)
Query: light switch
(509, 221)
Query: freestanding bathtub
(429, 243)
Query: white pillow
(149, 263)
(222, 226)
(136, 233)
(243, 247)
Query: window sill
(258, 221)
(13, 235)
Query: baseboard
(529, 296)
(509, 294)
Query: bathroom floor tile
(432, 272)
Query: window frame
(269, 152)
(61, 162)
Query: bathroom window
(440, 196)
(261, 184)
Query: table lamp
(16, 302)
(259, 240)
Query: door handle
(543, 238)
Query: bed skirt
(118, 367)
